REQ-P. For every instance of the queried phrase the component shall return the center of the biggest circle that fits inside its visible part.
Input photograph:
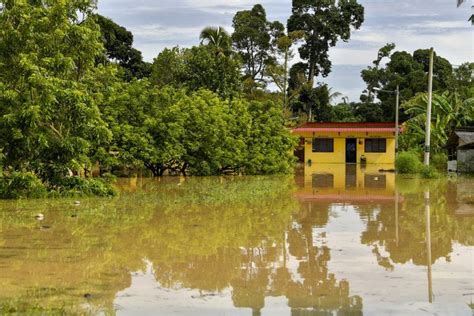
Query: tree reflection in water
(250, 235)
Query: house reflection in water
(346, 183)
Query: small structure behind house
(461, 150)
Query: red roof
(346, 127)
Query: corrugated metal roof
(465, 137)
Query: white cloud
(410, 24)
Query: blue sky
(410, 24)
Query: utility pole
(428, 111)
(397, 129)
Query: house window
(375, 145)
(323, 145)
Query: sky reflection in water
(334, 239)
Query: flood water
(331, 240)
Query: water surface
(331, 240)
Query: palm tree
(216, 37)
(333, 95)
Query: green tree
(324, 23)
(254, 38)
(197, 68)
(218, 73)
(279, 73)
(118, 43)
(409, 72)
(269, 145)
(315, 102)
(372, 76)
(49, 122)
(168, 68)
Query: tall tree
(118, 42)
(279, 72)
(409, 72)
(372, 75)
(254, 38)
(324, 23)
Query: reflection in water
(333, 244)
(428, 246)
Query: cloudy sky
(410, 24)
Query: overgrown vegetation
(77, 98)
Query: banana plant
(449, 111)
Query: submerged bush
(429, 172)
(21, 185)
(18, 185)
(76, 186)
(408, 162)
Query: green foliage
(167, 129)
(324, 23)
(77, 186)
(270, 146)
(315, 102)
(409, 72)
(50, 123)
(168, 68)
(440, 161)
(449, 111)
(255, 39)
(118, 42)
(217, 38)
(17, 185)
(429, 172)
(204, 69)
(199, 67)
(344, 113)
(408, 162)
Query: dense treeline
(75, 94)
(77, 98)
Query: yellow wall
(339, 154)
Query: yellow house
(371, 143)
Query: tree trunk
(183, 169)
(285, 83)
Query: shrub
(408, 162)
(76, 186)
(18, 185)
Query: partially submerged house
(461, 150)
(371, 143)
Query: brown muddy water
(333, 240)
